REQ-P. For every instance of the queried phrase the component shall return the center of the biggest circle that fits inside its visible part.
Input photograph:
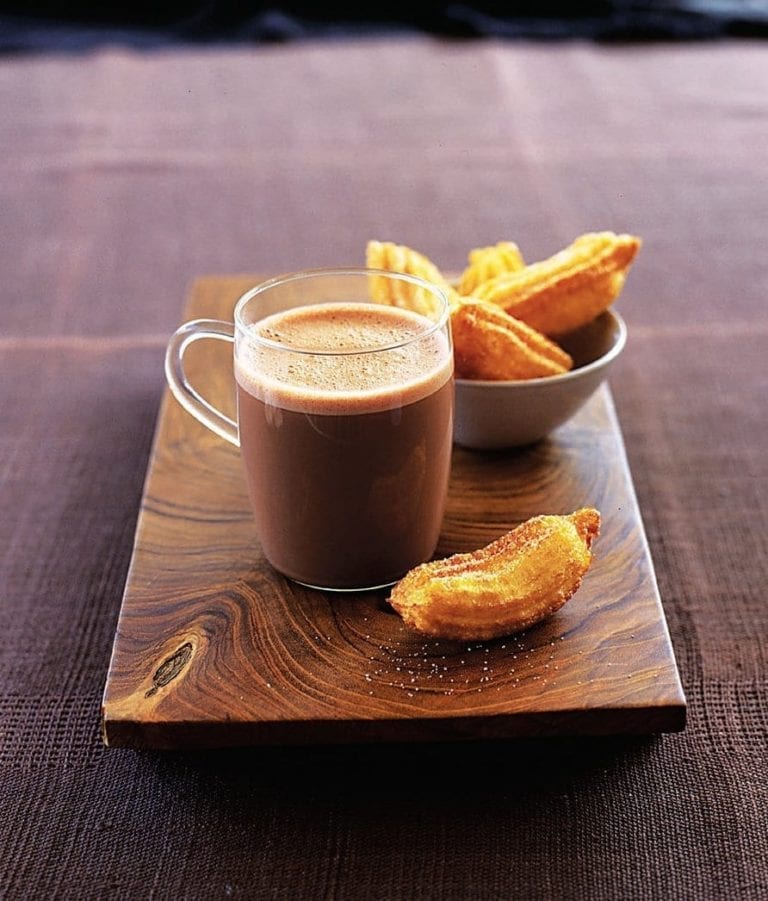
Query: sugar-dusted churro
(512, 584)
(490, 344)
(568, 290)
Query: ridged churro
(568, 290)
(399, 258)
(486, 263)
(490, 344)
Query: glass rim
(306, 274)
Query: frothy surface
(325, 377)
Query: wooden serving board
(214, 648)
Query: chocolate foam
(342, 358)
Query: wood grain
(214, 648)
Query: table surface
(125, 175)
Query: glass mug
(344, 420)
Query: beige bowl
(513, 413)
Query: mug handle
(183, 391)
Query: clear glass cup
(345, 420)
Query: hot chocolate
(345, 422)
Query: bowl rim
(604, 360)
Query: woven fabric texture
(123, 176)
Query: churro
(568, 290)
(399, 258)
(486, 263)
(512, 584)
(490, 344)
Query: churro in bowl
(532, 342)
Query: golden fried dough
(490, 344)
(399, 258)
(513, 583)
(570, 288)
(486, 263)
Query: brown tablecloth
(125, 175)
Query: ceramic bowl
(512, 413)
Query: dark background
(39, 25)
